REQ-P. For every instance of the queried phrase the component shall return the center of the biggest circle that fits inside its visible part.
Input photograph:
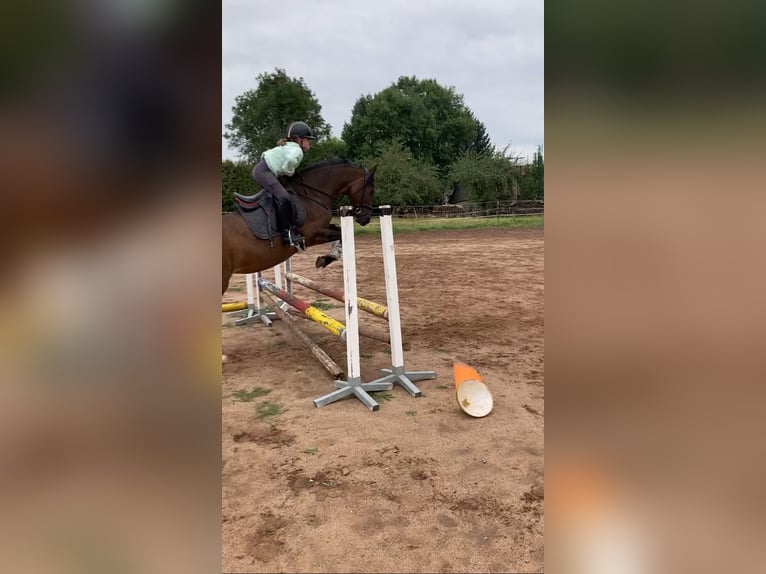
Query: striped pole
(363, 304)
(335, 327)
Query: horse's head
(361, 197)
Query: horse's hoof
(323, 261)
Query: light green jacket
(283, 159)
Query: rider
(282, 160)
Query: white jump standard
(397, 373)
(254, 311)
(353, 385)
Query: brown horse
(318, 186)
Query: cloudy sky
(490, 51)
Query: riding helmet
(301, 130)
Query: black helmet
(301, 130)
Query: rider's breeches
(268, 181)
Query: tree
(486, 176)
(482, 143)
(429, 121)
(400, 179)
(539, 174)
(235, 177)
(326, 149)
(533, 181)
(261, 116)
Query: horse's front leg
(331, 233)
(335, 253)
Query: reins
(346, 190)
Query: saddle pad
(262, 220)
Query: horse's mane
(328, 163)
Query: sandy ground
(417, 486)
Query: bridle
(366, 189)
(366, 200)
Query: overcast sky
(490, 51)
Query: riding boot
(290, 233)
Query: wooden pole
(314, 349)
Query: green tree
(235, 177)
(539, 174)
(482, 143)
(261, 116)
(328, 148)
(400, 179)
(486, 176)
(533, 180)
(429, 121)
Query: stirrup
(295, 239)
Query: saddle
(260, 215)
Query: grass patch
(442, 387)
(313, 450)
(244, 396)
(381, 396)
(402, 225)
(322, 305)
(411, 413)
(365, 355)
(268, 410)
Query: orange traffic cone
(472, 394)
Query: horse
(318, 186)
